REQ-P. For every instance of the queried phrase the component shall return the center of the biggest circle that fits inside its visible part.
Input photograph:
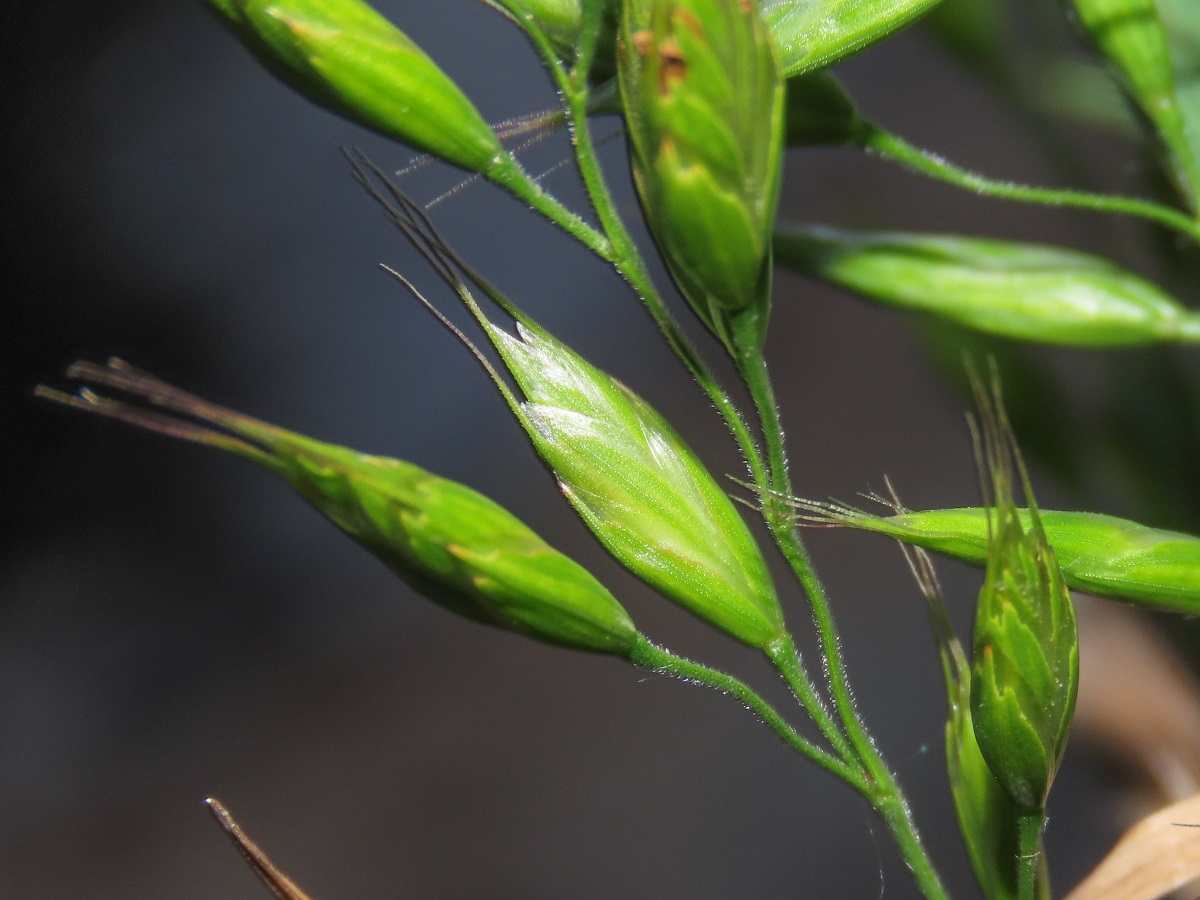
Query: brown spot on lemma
(672, 67)
(643, 41)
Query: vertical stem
(883, 790)
(1029, 852)
(753, 368)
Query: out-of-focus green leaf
(1181, 19)
(1084, 92)
(974, 33)
(813, 34)
(1027, 291)
(1129, 35)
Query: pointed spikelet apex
(641, 490)
(345, 56)
(1025, 666)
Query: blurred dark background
(174, 624)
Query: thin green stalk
(510, 175)
(753, 368)
(1029, 852)
(872, 137)
(785, 656)
(658, 659)
(883, 791)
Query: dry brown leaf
(1137, 699)
(1153, 858)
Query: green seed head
(446, 541)
(1130, 36)
(1102, 555)
(987, 817)
(1025, 666)
(635, 483)
(1025, 291)
(343, 55)
(704, 104)
(639, 488)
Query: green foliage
(819, 112)
(1181, 21)
(974, 33)
(988, 819)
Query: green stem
(511, 176)
(785, 656)
(1029, 852)
(753, 368)
(658, 659)
(883, 791)
(872, 137)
